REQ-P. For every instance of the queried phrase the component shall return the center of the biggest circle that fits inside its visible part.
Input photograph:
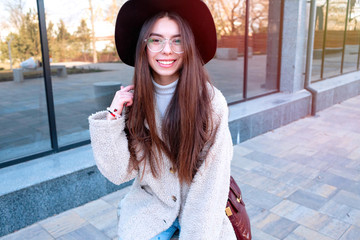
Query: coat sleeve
(204, 211)
(110, 147)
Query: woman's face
(166, 63)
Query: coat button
(174, 198)
(172, 170)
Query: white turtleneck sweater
(163, 95)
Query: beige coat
(152, 205)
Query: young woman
(172, 136)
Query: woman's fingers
(123, 97)
(127, 88)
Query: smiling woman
(173, 136)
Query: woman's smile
(166, 63)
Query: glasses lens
(176, 45)
(155, 44)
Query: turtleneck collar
(165, 89)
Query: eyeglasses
(157, 44)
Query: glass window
(227, 70)
(337, 38)
(352, 38)
(23, 109)
(81, 41)
(318, 39)
(334, 37)
(264, 40)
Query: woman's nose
(167, 48)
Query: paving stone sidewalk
(301, 181)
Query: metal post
(47, 75)
(344, 41)
(309, 55)
(324, 41)
(246, 52)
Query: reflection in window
(228, 68)
(23, 115)
(336, 41)
(264, 40)
(352, 40)
(334, 38)
(81, 40)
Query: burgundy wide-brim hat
(134, 13)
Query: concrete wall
(293, 46)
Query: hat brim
(134, 13)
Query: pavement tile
(33, 232)
(238, 172)
(308, 199)
(335, 209)
(348, 198)
(299, 213)
(263, 199)
(304, 150)
(267, 171)
(245, 163)
(339, 182)
(349, 173)
(93, 209)
(240, 151)
(277, 188)
(321, 189)
(276, 226)
(351, 234)
(315, 221)
(335, 228)
(106, 222)
(84, 233)
(303, 171)
(253, 179)
(295, 180)
(267, 159)
(63, 223)
(260, 235)
(353, 164)
(318, 163)
(115, 197)
(355, 154)
(353, 217)
(284, 208)
(253, 211)
(304, 233)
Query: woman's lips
(166, 63)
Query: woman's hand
(122, 98)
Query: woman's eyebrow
(159, 35)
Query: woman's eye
(155, 40)
(177, 41)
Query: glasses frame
(163, 44)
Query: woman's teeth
(166, 62)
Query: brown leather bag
(235, 210)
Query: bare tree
(15, 8)
(229, 16)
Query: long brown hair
(187, 127)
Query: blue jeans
(167, 234)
